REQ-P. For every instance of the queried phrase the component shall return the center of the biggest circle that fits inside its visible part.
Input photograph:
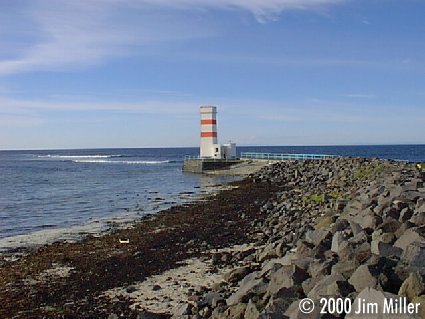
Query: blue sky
(127, 73)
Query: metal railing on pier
(293, 157)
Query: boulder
(237, 274)
(368, 220)
(389, 225)
(337, 239)
(414, 256)
(405, 214)
(418, 219)
(355, 228)
(211, 299)
(234, 312)
(420, 205)
(410, 236)
(333, 285)
(251, 311)
(267, 252)
(347, 251)
(363, 277)
(345, 268)
(304, 249)
(248, 287)
(317, 236)
(275, 309)
(341, 224)
(285, 277)
(319, 268)
(382, 249)
(413, 286)
(183, 310)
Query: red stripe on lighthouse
(208, 122)
(208, 134)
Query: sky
(133, 73)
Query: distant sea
(55, 194)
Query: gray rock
(345, 268)
(275, 309)
(249, 286)
(333, 285)
(205, 312)
(418, 219)
(414, 256)
(382, 249)
(337, 239)
(388, 238)
(363, 277)
(355, 228)
(183, 310)
(304, 249)
(268, 252)
(319, 268)
(389, 225)
(237, 274)
(367, 219)
(410, 236)
(405, 214)
(310, 283)
(317, 236)
(210, 299)
(285, 277)
(251, 311)
(341, 224)
(346, 251)
(235, 312)
(413, 286)
(420, 206)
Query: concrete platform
(204, 165)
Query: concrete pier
(204, 165)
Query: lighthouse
(209, 144)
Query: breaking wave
(122, 162)
(77, 156)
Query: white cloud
(63, 34)
(360, 96)
(262, 9)
(22, 106)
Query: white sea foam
(77, 156)
(70, 234)
(121, 162)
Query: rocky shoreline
(351, 228)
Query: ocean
(61, 194)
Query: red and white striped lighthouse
(209, 146)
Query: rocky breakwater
(340, 228)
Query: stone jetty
(341, 228)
